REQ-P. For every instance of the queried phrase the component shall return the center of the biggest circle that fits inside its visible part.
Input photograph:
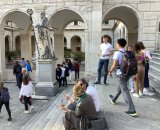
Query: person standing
(23, 63)
(26, 92)
(71, 69)
(139, 77)
(58, 74)
(4, 99)
(28, 67)
(76, 69)
(148, 57)
(106, 51)
(17, 71)
(122, 88)
(64, 76)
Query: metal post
(30, 12)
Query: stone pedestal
(46, 80)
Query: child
(131, 80)
(5, 99)
(122, 88)
(58, 74)
(26, 92)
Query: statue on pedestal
(44, 41)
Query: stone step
(39, 121)
(154, 82)
(152, 70)
(56, 121)
(155, 59)
(155, 64)
(157, 51)
(156, 54)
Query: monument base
(46, 83)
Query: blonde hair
(78, 90)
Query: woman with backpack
(26, 92)
(4, 99)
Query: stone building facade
(141, 17)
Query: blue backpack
(4, 95)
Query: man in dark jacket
(17, 71)
(58, 74)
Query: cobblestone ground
(17, 109)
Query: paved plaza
(147, 109)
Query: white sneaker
(31, 108)
(27, 112)
(136, 95)
(140, 93)
(147, 92)
(132, 90)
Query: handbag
(98, 123)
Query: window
(78, 39)
(106, 22)
(75, 22)
(78, 48)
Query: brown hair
(142, 45)
(25, 80)
(1, 85)
(78, 90)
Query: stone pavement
(17, 110)
(147, 109)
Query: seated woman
(84, 106)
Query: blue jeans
(102, 62)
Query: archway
(60, 22)
(128, 17)
(76, 43)
(7, 43)
(18, 44)
(16, 17)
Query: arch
(127, 15)
(18, 43)
(65, 41)
(7, 43)
(70, 16)
(76, 43)
(134, 10)
(13, 11)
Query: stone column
(3, 72)
(68, 42)
(26, 48)
(93, 39)
(59, 47)
(82, 43)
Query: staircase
(51, 116)
(154, 72)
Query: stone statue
(44, 42)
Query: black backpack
(4, 95)
(128, 64)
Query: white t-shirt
(26, 90)
(118, 56)
(93, 92)
(63, 72)
(105, 48)
(147, 54)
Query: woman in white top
(26, 92)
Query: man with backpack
(17, 71)
(4, 99)
(124, 72)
